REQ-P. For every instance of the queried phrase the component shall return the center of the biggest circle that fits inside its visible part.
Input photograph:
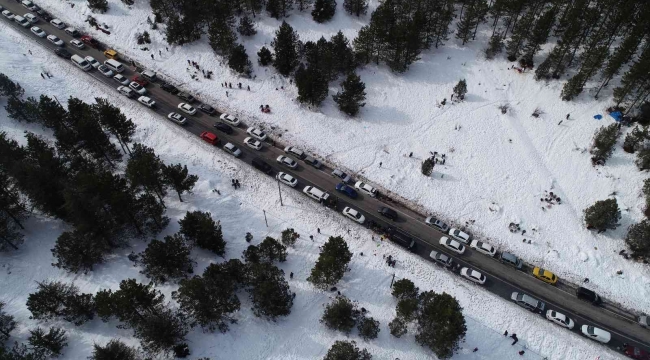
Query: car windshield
(590, 330)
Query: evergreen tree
(78, 251)
(539, 34)
(643, 159)
(130, 303)
(289, 237)
(221, 36)
(248, 237)
(10, 235)
(634, 83)
(160, 333)
(495, 46)
(238, 61)
(145, 171)
(271, 250)
(604, 141)
(405, 289)
(407, 308)
(460, 90)
(346, 350)
(182, 31)
(58, 300)
(470, 18)
(366, 45)
(320, 56)
(114, 350)
(350, 100)
(264, 56)
(303, 4)
(128, 2)
(397, 327)
(100, 6)
(331, 264)
(177, 177)
(46, 345)
(23, 110)
(638, 239)
(115, 122)
(356, 7)
(620, 57)
(603, 215)
(368, 328)
(168, 259)
(285, 48)
(198, 228)
(342, 53)
(209, 301)
(252, 255)
(246, 26)
(7, 325)
(440, 324)
(151, 213)
(323, 10)
(278, 8)
(341, 314)
(312, 85)
(8, 88)
(427, 166)
(269, 291)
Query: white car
(94, 63)
(125, 91)
(55, 40)
(8, 14)
(177, 118)
(77, 43)
(30, 5)
(252, 143)
(256, 133)
(31, 18)
(287, 161)
(137, 88)
(147, 101)
(459, 235)
(354, 215)
(187, 108)
(452, 245)
(286, 179)
(560, 319)
(294, 151)
(483, 248)
(595, 333)
(57, 23)
(105, 71)
(21, 21)
(119, 77)
(366, 189)
(230, 119)
(473, 275)
(38, 32)
(229, 147)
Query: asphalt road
(502, 280)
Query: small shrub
(397, 327)
(603, 215)
(368, 328)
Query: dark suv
(63, 53)
(170, 88)
(588, 295)
(186, 96)
(388, 212)
(401, 239)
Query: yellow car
(545, 275)
(111, 54)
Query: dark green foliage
(161, 332)
(182, 31)
(100, 6)
(7, 325)
(289, 237)
(427, 166)
(78, 251)
(604, 142)
(181, 350)
(233, 270)
(355, 7)
(539, 34)
(10, 235)
(198, 228)
(495, 46)
(319, 55)
(350, 100)
(440, 324)
(248, 237)
(178, 178)
(116, 123)
(603, 215)
(9, 88)
(264, 57)
(50, 344)
(58, 300)
(285, 48)
(368, 328)
(643, 159)
(130, 303)
(278, 8)
(405, 289)
(11, 203)
(238, 61)
(23, 110)
(341, 314)
(638, 239)
(366, 46)
(143, 38)
(460, 90)
(269, 291)
(407, 308)
(346, 350)
(397, 327)
(342, 54)
(331, 264)
(114, 350)
(634, 139)
(271, 250)
(145, 171)
(221, 36)
(473, 14)
(323, 10)
(252, 254)
(246, 26)
(312, 85)
(303, 4)
(168, 259)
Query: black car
(170, 88)
(207, 109)
(261, 165)
(44, 15)
(63, 53)
(186, 96)
(223, 128)
(588, 295)
(402, 239)
(388, 212)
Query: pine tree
(264, 56)
(182, 31)
(331, 264)
(209, 301)
(341, 314)
(495, 46)
(278, 8)
(643, 159)
(320, 56)
(115, 122)
(342, 53)
(346, 350)
(114, 350)
(9, 88)
(368, 328)
(238, 61)
(160, 333)
(427, 166)
(178, 178)
(312, 85)
(604, 141)
(7, 325)
(246, 26)
(407, 308)
(151, 213)
(10, 235)
(100, 6)
(350, 100)
(303, 4)
(405, 289)
(323, 10)
(356, 7)
(221, 36)
(168, 259)
(145, 171)
(285, 48)
(634, 139)
(78, 251)
(58, 300)
(440, 324)
(539, 34)
(638, 238)
(198, 228)
(620, 56)
(271, 250)
(252, 255)
(50, 344)
(130, 303)
(460, 90)
(289, 237)
(470, 18)
(397, 327)
(634, 83)
(366, 45)
(269, 292)
(603, 215)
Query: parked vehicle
(209, 137)
(452, 245)
(346, 190)
(71, 31)
(111, 54)
(149, 75)
(509, 259)
(252, 143)
(292, 150)
(207, 109)
(527, 302)
(545, 275)
(8, 14)
(30, 5)
(114, 65)
(230, 119)
(636, 353)
(287, 161)
(459, 235)
(80, 62)
(366, 189)
(57, 24)
(588, 295)
(559, 319)
(354, 215)
(121, 79)
(137, 88)
(286, 179)
(261, 165)
(169, 88)
(313, 162)
(21, 21)
(140, 80)
(105, 70)
(177, 118)
(186, 108)
(186, 96)
(78, 44)
(146, 101)
(96, 64)
(256, 133)
(316, 193)
(643, 321)
(223, 128)
(387, 212)
(55, 40)
(88, 40)
(38, 31)
(231, 148)
(341, 175)
(438, 224)
(441, 259)
(63, 53)
(595, 333)
(33, 19)
(473, 275)
(483, 247)
(126, 91)
(401, 239)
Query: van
(527, 302)
(261, 165)
(114, 65)
(149, 75)
(588, 295)
(509, 259)
(401, 239)
(126, 91)
(72, 31)
(31, 18)
(80, 62)
(111, 54)
(316, 194)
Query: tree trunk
(10, 244)
(14, 219)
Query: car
(341, 175)
(8, 14)
(527, 302)
(316, 193)
(30, 5)
(483, 248)
(111, 54)
(452, 245)
(286, 179)
(121, 79)
(77, 43)
(147, 101)
(588, 295)
(177, 118)
(346, 190)
(230, 119)
(400, 238)
(63, 53)
(292, 150)
(149, 75)
(595, 333)
(473, 275)
(436, 223)
(510, 259)
(354, 215)
(38, 31)
(643, 321)
(208, 136)
(186, 96)
(252, 143)
(137, 88)
(55, 40)
(441, 259)
(387, 212)
(57, 24)
(366, 189)
(140, 80)
(126, 91)
(42, 13)
(545, 275)
(33, 19)
(88, 40)
(313, 162)
(21, 21)
(105, 70)
(207, 109)
(560, 319)
(636, 353)
(287, 161)
(187, 108)
(96, 64)
(260, 165)
(223, 128)
(169, 88)
(256, 133)
(229, 147)
(459, 235)
(72, 31)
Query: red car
(636, 353)
(88, 40)
(210, 137)
(140, 80)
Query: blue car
(341, 187)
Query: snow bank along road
(502, 280)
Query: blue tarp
(617, 115)
(598, 117)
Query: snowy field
(298, 336)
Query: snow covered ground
(298, 336)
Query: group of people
(390, 261)
(515, 340)
(265, 109)
(235, 183)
